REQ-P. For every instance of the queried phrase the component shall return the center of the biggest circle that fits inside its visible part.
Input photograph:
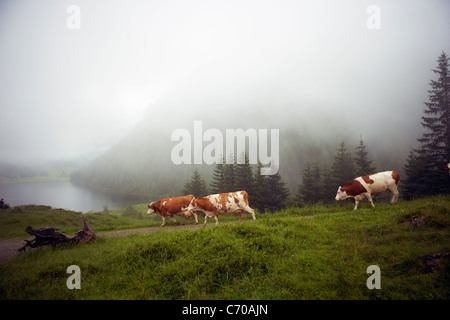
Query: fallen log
(49, 236)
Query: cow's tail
(396, 176)
(245, 195)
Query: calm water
(63, 195)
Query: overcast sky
(71, 85)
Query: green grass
(286, 255)
(14, 220)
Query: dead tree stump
(47, 236)
(85, 235)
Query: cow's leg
(369, 197)
(173, 219)
(356, 204)
(217, 219)
(251, 211)
(395, 195)
(195, 216)
(164, 221)
(206, 219)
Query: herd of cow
(237, 202)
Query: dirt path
(10, 247)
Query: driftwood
(47, 236)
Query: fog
(77, 76)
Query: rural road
(9, 247)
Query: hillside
(314, 253)
(140, 164)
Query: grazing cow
(222, 203)
(172, 207)
(372, 184)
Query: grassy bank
(310, 253)
(14, 220)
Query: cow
(371, 184)
(170, 207)
(222, 203)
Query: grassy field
(317, 252)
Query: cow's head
(151, 208)
(192, 206)
(341, 194)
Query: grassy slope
(14, 221)
(281, 256)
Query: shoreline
(34, 179)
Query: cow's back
(223, 202)
(175, 205)
(380, 182)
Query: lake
(64, 195)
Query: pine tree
(416, 176)
(196, 185)
(363, 164)
(436, 141)
(343, 168)
(328, 189)
(277, 193)
(424, 174)
(258, 199)
(310, 191)
(218, 178)
(229, 183)
(244, 175)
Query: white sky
(70, 93)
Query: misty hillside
(140, 164)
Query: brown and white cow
(372, 184)
(170, 207)
(222, 203)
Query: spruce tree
(435, 143)
(363, 164)
(244, 175)
(416, 176)
(277, 193)
(343, 168)
(229, 183)
(258, 199)
(218, 178)
(196, 185)
(327, 188)
(310, 191)
(424, 174)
